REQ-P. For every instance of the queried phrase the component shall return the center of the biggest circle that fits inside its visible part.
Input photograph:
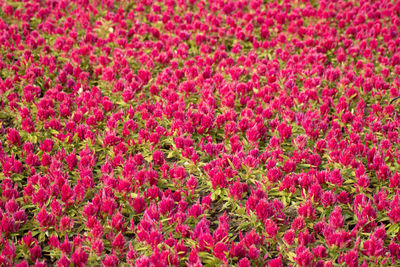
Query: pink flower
(236, 190)
(194, 258)
(110, 261)
(22, 264)
(13, 136)
(303, 256)
(43, 218)
(253, 134)
(277, 262)
(351, 258)
(35, 252)
(98, 246)
(252, 238)
(394, 211)
(289, 236)
(166, 205)
(264, 210)
(66, 246)
(64, 262)
(66, 223)
(28, 125)
(394, 250)
(220, 249)
(9, 250)
(319, 251)
(79, 257)
(327, 198)
(270, 228)
(195, 210)
(253, 252)
(244, 262)
(336, 220)
(298, 223)
(274, 175)
(335, 177)
(158, 157)
(47, 145)
(54, 242)
(285, 131)
(138, 204)
(192, 183)
(307, 210)
(373, 247)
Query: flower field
(199, 133)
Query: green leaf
(213, 196)
(241, 211)
(218, 191)
(394, 228)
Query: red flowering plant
(191, 133)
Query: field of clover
(199, 133)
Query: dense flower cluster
(195, 132)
